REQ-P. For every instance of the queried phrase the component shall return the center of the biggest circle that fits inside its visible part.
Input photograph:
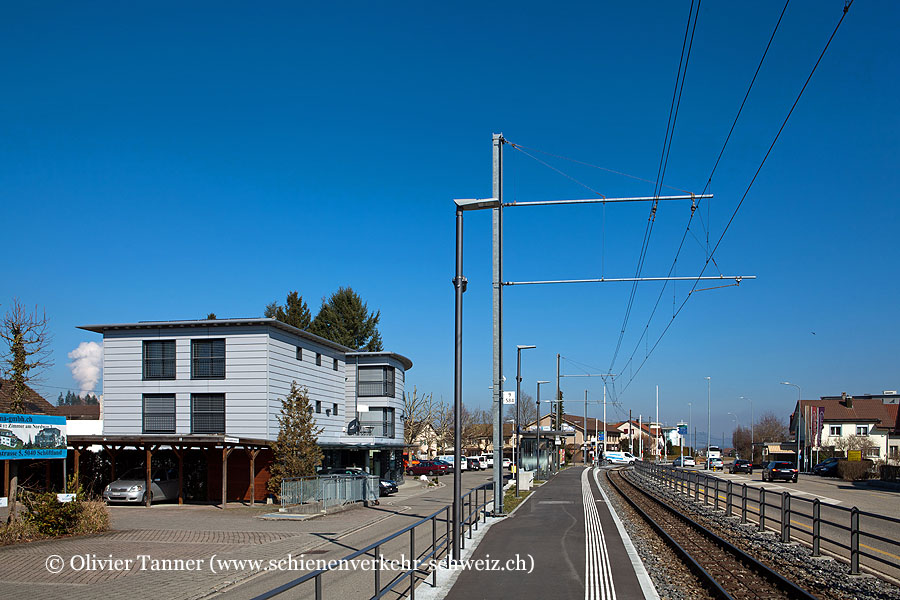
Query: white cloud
(86, 366)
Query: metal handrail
(444, 545)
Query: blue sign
(682, 429)
(601, 437)
(32, 436)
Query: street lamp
(459, 284)
(751, 427)
(733, 427)
(690, 424)
(537, 432)
(518, 396)
(708, 427)
(797, 416)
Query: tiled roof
(34, 403)
(80, 412)
(593, 423)
(860, 410)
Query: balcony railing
(376, 429)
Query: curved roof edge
(407, 363)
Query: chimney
(846, 400)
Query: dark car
(429, 467)
(741, 466)
(388, 487)
(473, 463)
(780, 470)
(827, 468)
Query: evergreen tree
(294, 312)
(211, 317)
(296, 451)
(344, 318)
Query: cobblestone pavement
(201, 537)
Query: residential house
(831, 421)
(219, 384)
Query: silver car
(130, 487)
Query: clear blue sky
(162, 162)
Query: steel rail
(780, 581)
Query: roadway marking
(598, 573)
(556, 502)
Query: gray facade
(171, 377)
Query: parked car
(827, 468)
(131, 486)
(429, 467)
(684, 461)
(387, 487)
(448, 458)
(474, 463)
(482, 462)
(622, 458)
(507, 463)
(488, 460)
(714, 463)
(741, 466)
(780, 470)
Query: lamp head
(524, 347)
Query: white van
(620, 458)
(448, 458)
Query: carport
(214, 446)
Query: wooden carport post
(179, 452)
(76, 453)
(252, 452)
(6, 478)
(112, 451)
(225, 452)
(148, 491)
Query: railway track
(726, 570)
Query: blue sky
(162, 162)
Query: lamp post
(537, 432)
(690, 421)
(797, 416)
(518, 396)
(708, 439)
(751, 426)
(459, 284)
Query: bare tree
(740, 439)
(25, 356)
(527, 409)
(442, 423)
(855, 442)
(770, 428)
(418, 413)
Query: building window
(388, 422)
(299, 353)
(334, 409)
(318, 359)
(873, 452)
(335, 366)
(862, 430)
(376, 381)
(159, 413)
(319, 406)
(894, 452)
(834, 431)
(207, 359)
(207, 413)
(159, 359)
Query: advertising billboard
(32, 436)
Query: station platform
(571, 540)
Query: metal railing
(849, 533)
(329, 491)
(420, 565)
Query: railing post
(717, 495)
(854, 541)
(319, 586)
(412, 565)
(817, 516)
(728, 489)
(696, 487)
(762, 509)
(377, 571)
(449, 538)
(477, 508)
(434, 553)
(785, 517)
(743, 503)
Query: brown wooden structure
(214, 446)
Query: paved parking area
(184, 552)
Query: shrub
(93, 517)
(17, 531)
(48, 515)
(854, 470)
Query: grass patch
(510, 502)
